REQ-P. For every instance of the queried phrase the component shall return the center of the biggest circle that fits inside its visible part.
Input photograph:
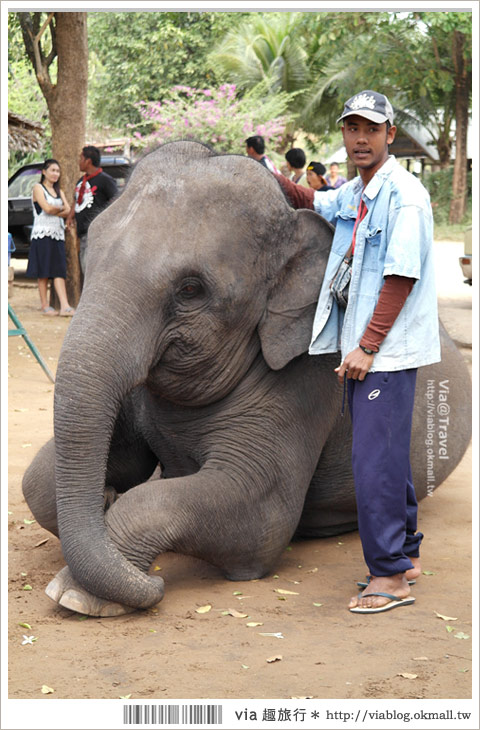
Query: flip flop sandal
(49, 311)
(368, 578)
(69, 312)
(395, 601)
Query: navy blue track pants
(381, 408)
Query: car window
(23, 184)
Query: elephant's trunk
(102, 359)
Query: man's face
(367, 142)
(250, 151)
(315, 181)
(82, 162)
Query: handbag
(340, 283)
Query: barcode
(172, 714)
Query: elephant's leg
(39, 488)
(207, 515)
(130, 462)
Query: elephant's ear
(286, 327)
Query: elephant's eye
(191, 289)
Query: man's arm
(393, 296)
(298, 196)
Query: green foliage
(24, 95)
(142, 55)
(217, 117)
(265, 48)
(439, 185)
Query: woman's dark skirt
(46, 259)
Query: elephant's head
(198, 267)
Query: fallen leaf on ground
(27, 588)
(428, 572)
(313, 570)
(25, 446)
(252, 624)
(461, 635)
(28, 522)
(235, 614)
(25, 626)
(407, 675)
(237, 593)
(124, 697)
(450, 629)
(203, 609)
(157, 567)
(318, 604)
(420, 659)
(276, 658)
(276, 634)
(42, 542)
(47, 690)
(245, 666)
(285, 593)
(445, 618)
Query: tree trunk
(351, 169)
(444, 147)
(459, 184)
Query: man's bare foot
(414, 572)
(396, 585)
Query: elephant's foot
(65, 590)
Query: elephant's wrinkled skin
(188, 349)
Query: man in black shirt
(93, 193)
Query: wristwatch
(366, 350)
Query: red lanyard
(84, 182)
(362, 212)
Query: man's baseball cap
(369, 104)
(317, 168)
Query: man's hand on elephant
(356, 365)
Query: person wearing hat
(378, 306)
(316, 177)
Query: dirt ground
(172, 651)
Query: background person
(316, 177)
(333, 177)
(93, 193)
(255, 147)
(47, 258)
(296, 160)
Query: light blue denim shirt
(395, 237)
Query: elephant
(188, 414)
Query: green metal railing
(20, 330)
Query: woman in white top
(47, 258)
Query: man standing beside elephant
(378, 306)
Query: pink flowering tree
(218, 117)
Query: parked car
(20, 185)
(466, 259)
